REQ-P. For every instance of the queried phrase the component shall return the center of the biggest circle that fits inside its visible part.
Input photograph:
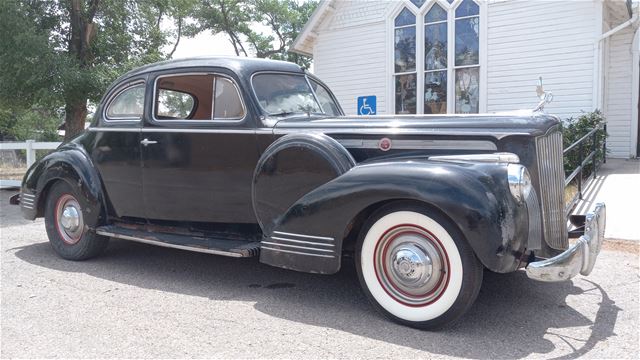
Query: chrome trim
(549, 151)
(579, 258)
(296, 252)
(421, 144)
(303, 236)
(163, 244)
(113, 129)
(28, 195)
(188, 121)
(297, 247)
(500, 157)
(301, 242)
(183, 130)
(115, 94)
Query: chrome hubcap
(69, 220)
(411, 265)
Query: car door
(115, 150)
(198, 150)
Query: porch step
(217, 246)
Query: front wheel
(416, 267)
(67, 229)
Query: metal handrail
(583, 161)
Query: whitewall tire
(416, 267)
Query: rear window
(128, 104)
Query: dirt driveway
(139, 301)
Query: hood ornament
(544, 96)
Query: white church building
(470, 56)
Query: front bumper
(579, 258)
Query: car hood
(495, 125)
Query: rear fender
(475, 197)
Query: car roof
(240, 65)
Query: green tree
(64, 53)
(236, 19)
(286, 19)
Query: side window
(127, 105)
(324, 97)
(184, 97)
(204, 97)
(227, 104)
(175, 105)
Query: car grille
(551, 179)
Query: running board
(233, 248)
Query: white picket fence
(30, 146)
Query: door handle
(146, 142)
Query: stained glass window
(467, 57)
(405, 62)
(446, 75)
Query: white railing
(30, 146)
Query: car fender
(474, 196)
(69, 163)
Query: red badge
(384, 144)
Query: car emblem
(384, 144)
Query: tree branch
(175, 46)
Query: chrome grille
(535, 226)
(551, 180)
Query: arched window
(467, 57)
(405, 62)
(435, 60)
(447, 36)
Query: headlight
(519, 181)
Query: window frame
(306, 76)
(213, 120)
(114, 95)
(420, 53)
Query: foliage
(574, 129)
(237, 18)
(62, 54)
(57, 57)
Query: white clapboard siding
(618, 100)
(552, 39)
(349, 53)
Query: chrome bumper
(579, 258)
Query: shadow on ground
(511, 316)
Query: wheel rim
(411, 265)
(69, 221)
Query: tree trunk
(82, 33)
(75, 115)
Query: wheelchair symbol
(365, 109)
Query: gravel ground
(140, 301)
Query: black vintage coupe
(246, 157)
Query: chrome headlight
(519, 181)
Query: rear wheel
(416, 267)
(68, 232)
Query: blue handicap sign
(367, 105)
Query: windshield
(286, 94)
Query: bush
(575, 128)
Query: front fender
(475, 196)
(69, 163)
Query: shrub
(575, 128)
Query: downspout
(598, 48)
